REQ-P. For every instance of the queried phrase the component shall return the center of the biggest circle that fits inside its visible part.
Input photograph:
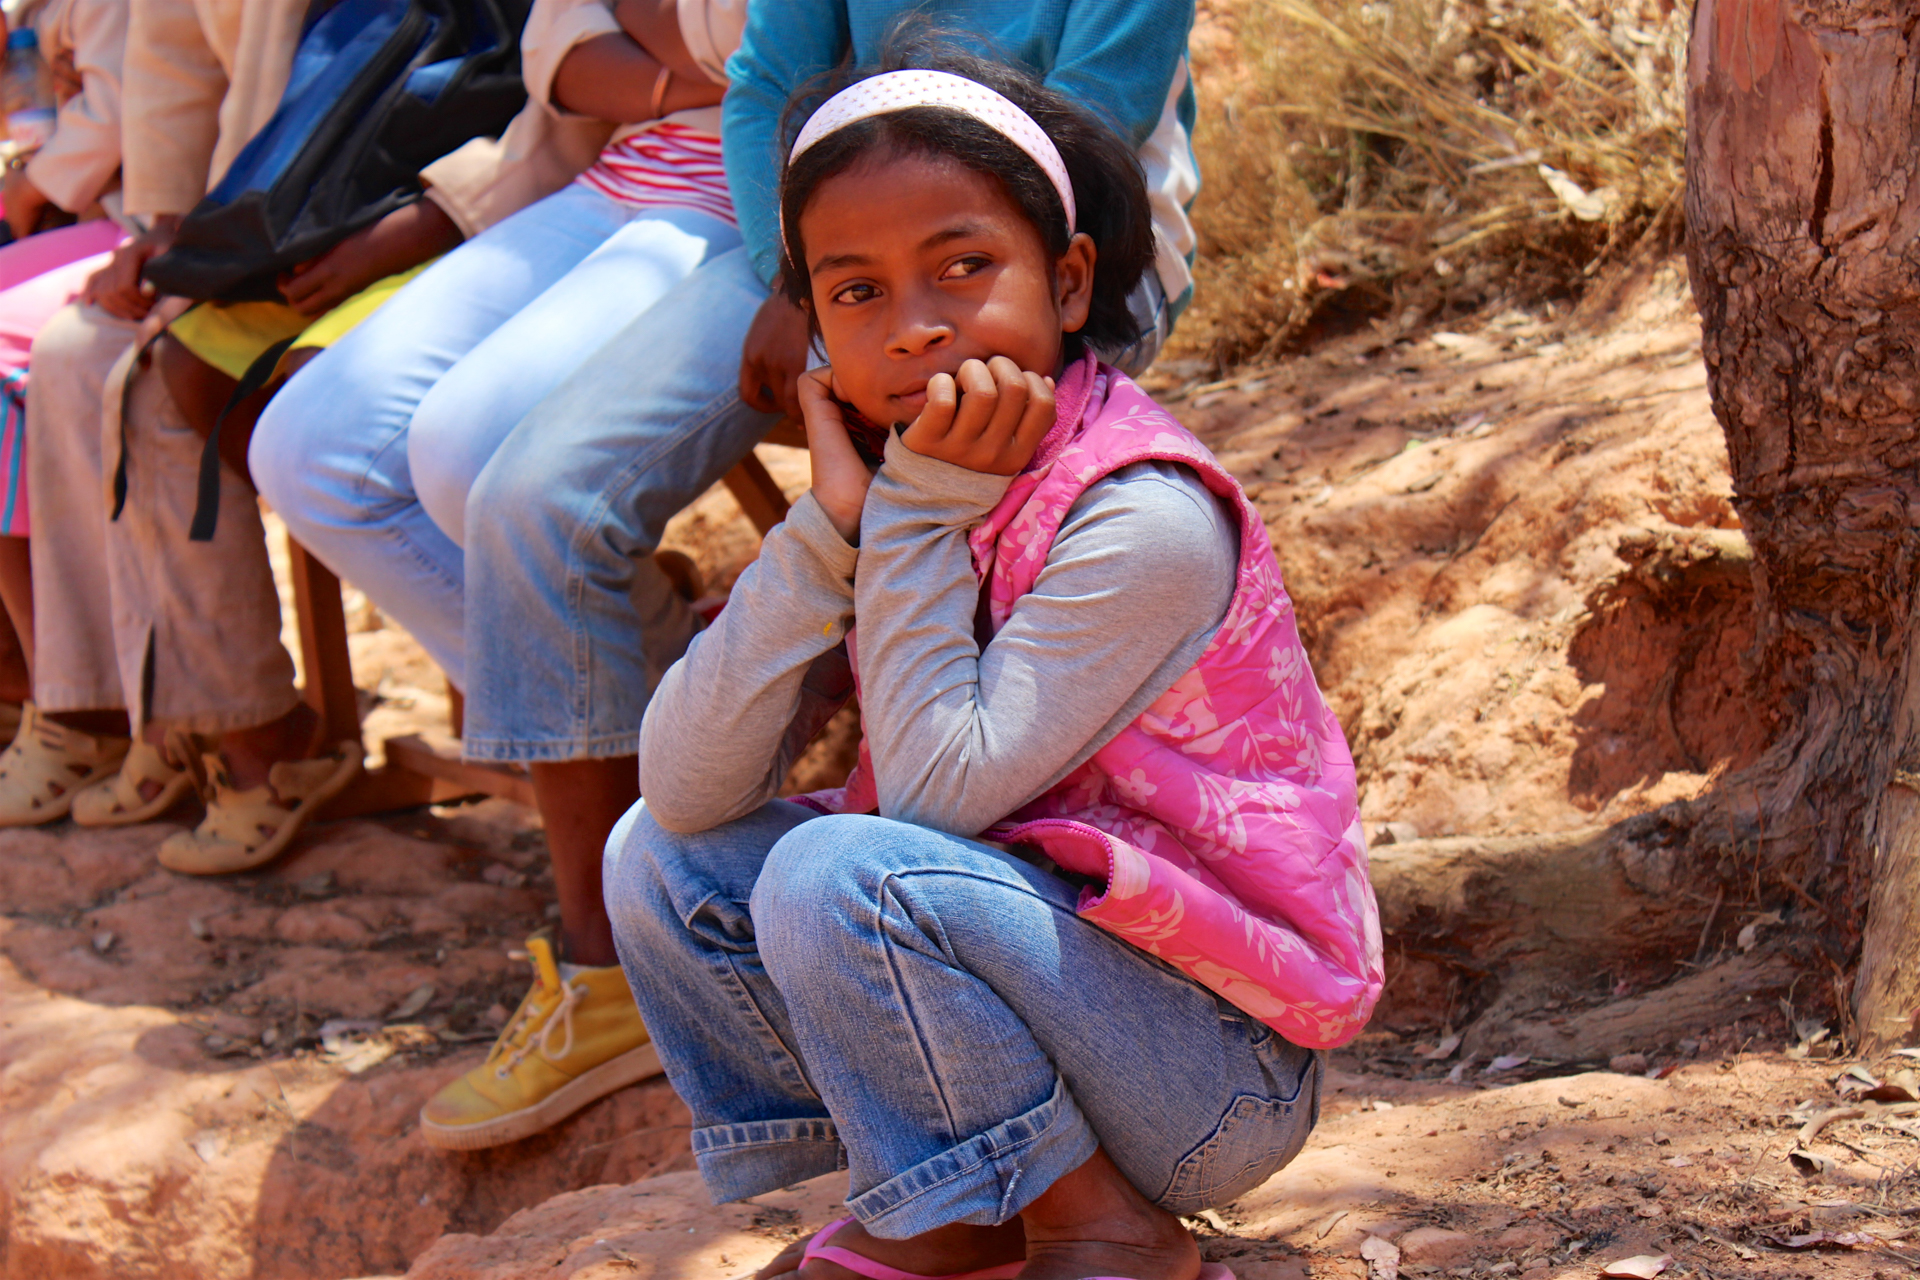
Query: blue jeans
(492, 457)
(929, 1013)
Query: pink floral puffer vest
(1223, 820)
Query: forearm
(730, 716)
(962, 736)
(611, 77)
(785, 45)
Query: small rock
(496, 1015)
(315, 886)
(103, 941)
(1628, 1064)
(1505, 1135)
(1436, 1246)
(1395, 833)
(1661, 1137)
(503, 875)
(198, 928)
(270, 1037)
(553, 911)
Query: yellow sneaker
(567, 1044)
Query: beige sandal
(248, 829)
(48, 765)
(118, 801)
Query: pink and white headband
(898, 90)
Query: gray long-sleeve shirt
(1135, 585)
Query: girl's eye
(856, 293)
(961, 268)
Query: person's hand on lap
(405, 238)
(117, 288)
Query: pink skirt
(38, 276)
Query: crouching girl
(1057, 963)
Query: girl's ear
(1073, 282)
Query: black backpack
(379, 89)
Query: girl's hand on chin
(840, 477)
(989, 417)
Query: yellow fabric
(231, 336)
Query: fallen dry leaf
(1445, 1049)
(1508, 1061)
(1383, 1258)
(1823, 1239)
(1644, 1266)
(419, 998)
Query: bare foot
(1093, 1222)
(944, 1251)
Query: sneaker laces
(560, 1017)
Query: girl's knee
(634, 883)
(828, 859)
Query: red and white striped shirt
(669, 164)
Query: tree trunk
(1803, 220)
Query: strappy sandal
(248, 829)
(821, 1247)
(120, 801)
(48, 765)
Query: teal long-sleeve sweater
(1117, 57)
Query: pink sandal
(861, 1266)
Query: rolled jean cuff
(741, 1160)
(985, 1180)
(606, 746)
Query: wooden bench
(417, 771)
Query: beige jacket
(202, 76)
(545, 147)
(80, 162)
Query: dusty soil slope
(1499, 542)
(1514, 554)
(1547, 1180)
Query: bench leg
(757, 494)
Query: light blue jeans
(492, 457)
(929, 1013)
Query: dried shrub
(1414, 157)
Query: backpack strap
(206, 510)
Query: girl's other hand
(840, 477)
(988, 417)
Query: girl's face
(917, 264)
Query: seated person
(1058, 962)
(75, 174)
(186, 635)
(369, 455)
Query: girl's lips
(914, 400)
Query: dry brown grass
(1407, 158)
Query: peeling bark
(1803, 219)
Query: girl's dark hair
(1108, 186)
